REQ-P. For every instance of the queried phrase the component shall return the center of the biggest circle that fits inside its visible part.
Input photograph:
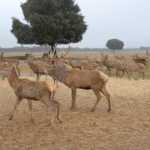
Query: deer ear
(17, 70)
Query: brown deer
(38, 67)
(140, 59)
(32, 91)
(81, 79)
(5, 66)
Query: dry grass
(127, 127)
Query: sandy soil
(127, 127)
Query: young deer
(81, 79)
(31, 90)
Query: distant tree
(49, 22)
(115, 44)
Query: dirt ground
(127, 127)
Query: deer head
(6, 69)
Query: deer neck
(61, 72)
(13, 79)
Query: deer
(124, 65)
(133, 67)
(113, 63)
(31, 91)
(140, 59)
(82, 64)
(129, 65)
(81, 79)
(38, 67)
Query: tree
(114, 44)
(50, 22)
(23, 32)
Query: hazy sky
(128, 20)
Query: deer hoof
(92, 110)
(11, 117)
(32, 121)
(60, 121)
(109, 110)
(49, 124)
(73, 108)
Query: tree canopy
(23, 32)
(49, 22)
(115, 44)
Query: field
(127, 127)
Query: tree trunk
(53, 51)
(50, 51)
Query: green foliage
(114, 44)
(23, 32)
(50, 22)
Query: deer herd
(74, 73)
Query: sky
(127, 20)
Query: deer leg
(38, 77)
(53, 104)
(117, 73)
(73, 106)
(123, 73)
(128, 74)
(3, 77)
(143, 75)
(98, 95)
(109, 70)
(15, 107)
(53, 95)
(30, 109)
(107, 95)
(46, 75)
(47, 104)
(57, 106)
